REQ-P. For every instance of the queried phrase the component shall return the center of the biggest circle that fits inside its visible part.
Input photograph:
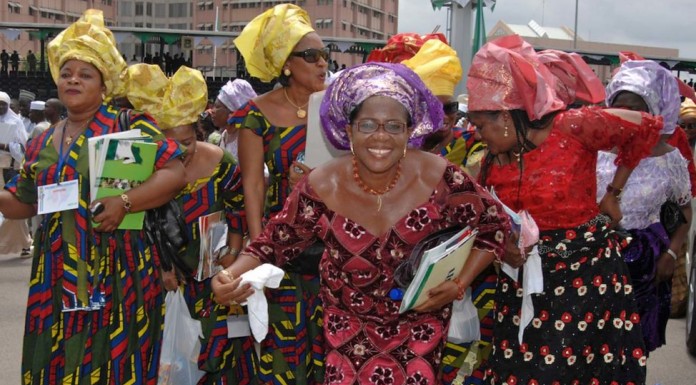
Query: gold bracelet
(126, 202)
(227, 273)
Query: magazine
(438, 264)
(213, 234)
(117, 163)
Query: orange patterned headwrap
(402, 46)
(506, 74)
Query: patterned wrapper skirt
(585, 328)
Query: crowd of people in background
(579, 292)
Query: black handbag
(308, 261)
(165, 229)
(671, 216)
(404, 273)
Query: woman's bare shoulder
(326, 178)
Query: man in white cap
(25, 99)
(14, 234)
(39, 123)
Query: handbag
(165, 230)
(671, 216)
(164, 226)
(308, 261)
(404, 273)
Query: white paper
(238, 326)
(318, 150)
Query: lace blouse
(654, 181)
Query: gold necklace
(301, 112)
(68, 138)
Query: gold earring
(287, 72)
(352, 151)
(505, 134)
(405, 148)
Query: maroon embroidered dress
(585, 327)
(367, 341)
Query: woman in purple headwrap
(643, 85)
(371, 208)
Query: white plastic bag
(180, 345)
(464, 324)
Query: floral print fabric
(367, 341)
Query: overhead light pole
(575, 30)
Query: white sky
(668, 23)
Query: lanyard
(62, 158)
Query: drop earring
(405, 148)
(287, 72)
(505, 134)
(352, 151)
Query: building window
(13, 7)
(160, 10)
(345, 4)
(324, 2)
(125, 8)
(139, 8)
(178, 10)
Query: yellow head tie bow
(88, 40)
(267, 41)
(172, 102)
(688, 108)
(438, 66)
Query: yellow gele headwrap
(267, 41)
(438, 66)
(172, 102)
(688, 109)
(89, 41)
(145, 86)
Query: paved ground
(669, 365)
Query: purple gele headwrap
(354, 85)
(235, 94)
(652, 82)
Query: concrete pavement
(669, 365)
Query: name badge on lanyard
(59, 196)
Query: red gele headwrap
(576, 78)
(506, 74)
(402, 46)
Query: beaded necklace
(369, 189)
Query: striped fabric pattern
(120, 342)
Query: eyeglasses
(313, 55)
(450, 108)
(688, 126)
(368, 126)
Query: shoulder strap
(124, 119)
